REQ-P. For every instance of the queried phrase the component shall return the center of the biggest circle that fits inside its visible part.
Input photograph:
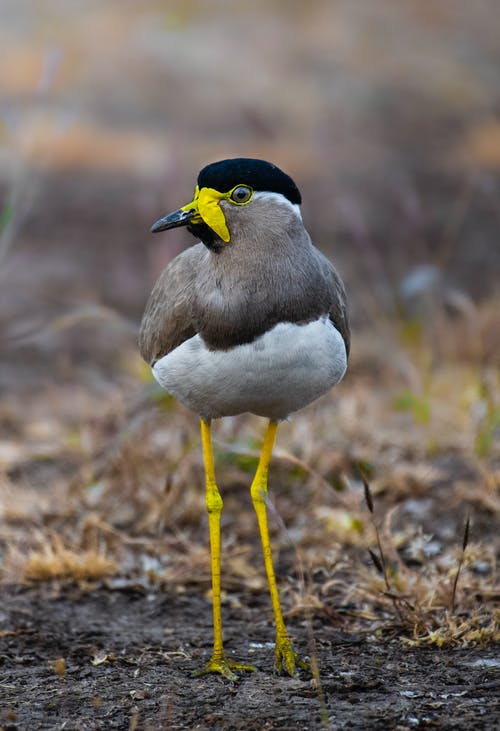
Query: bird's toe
(221, 665)
(287, 660)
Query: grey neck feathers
(248, 286)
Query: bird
(252, 318)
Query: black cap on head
(258, 174)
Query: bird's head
(232, 195)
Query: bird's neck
(248, 286)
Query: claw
(224, 667)
(287, 659)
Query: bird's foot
(287, 659)
(220, 664)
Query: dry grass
(428, 604)
(55, 561)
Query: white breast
(279, 373)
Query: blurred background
(387, 116)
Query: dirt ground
(129, 657)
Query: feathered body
(259, 324)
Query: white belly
(280, 372)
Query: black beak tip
(156, 227)
(173, 220)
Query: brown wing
(338, 302)
(166, 322)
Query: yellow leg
(286, 657)
(218, 662)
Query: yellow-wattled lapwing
(252, 319)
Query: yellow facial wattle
(206, 204)
(209, 209)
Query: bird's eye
(241, 194)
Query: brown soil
(145, 646)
